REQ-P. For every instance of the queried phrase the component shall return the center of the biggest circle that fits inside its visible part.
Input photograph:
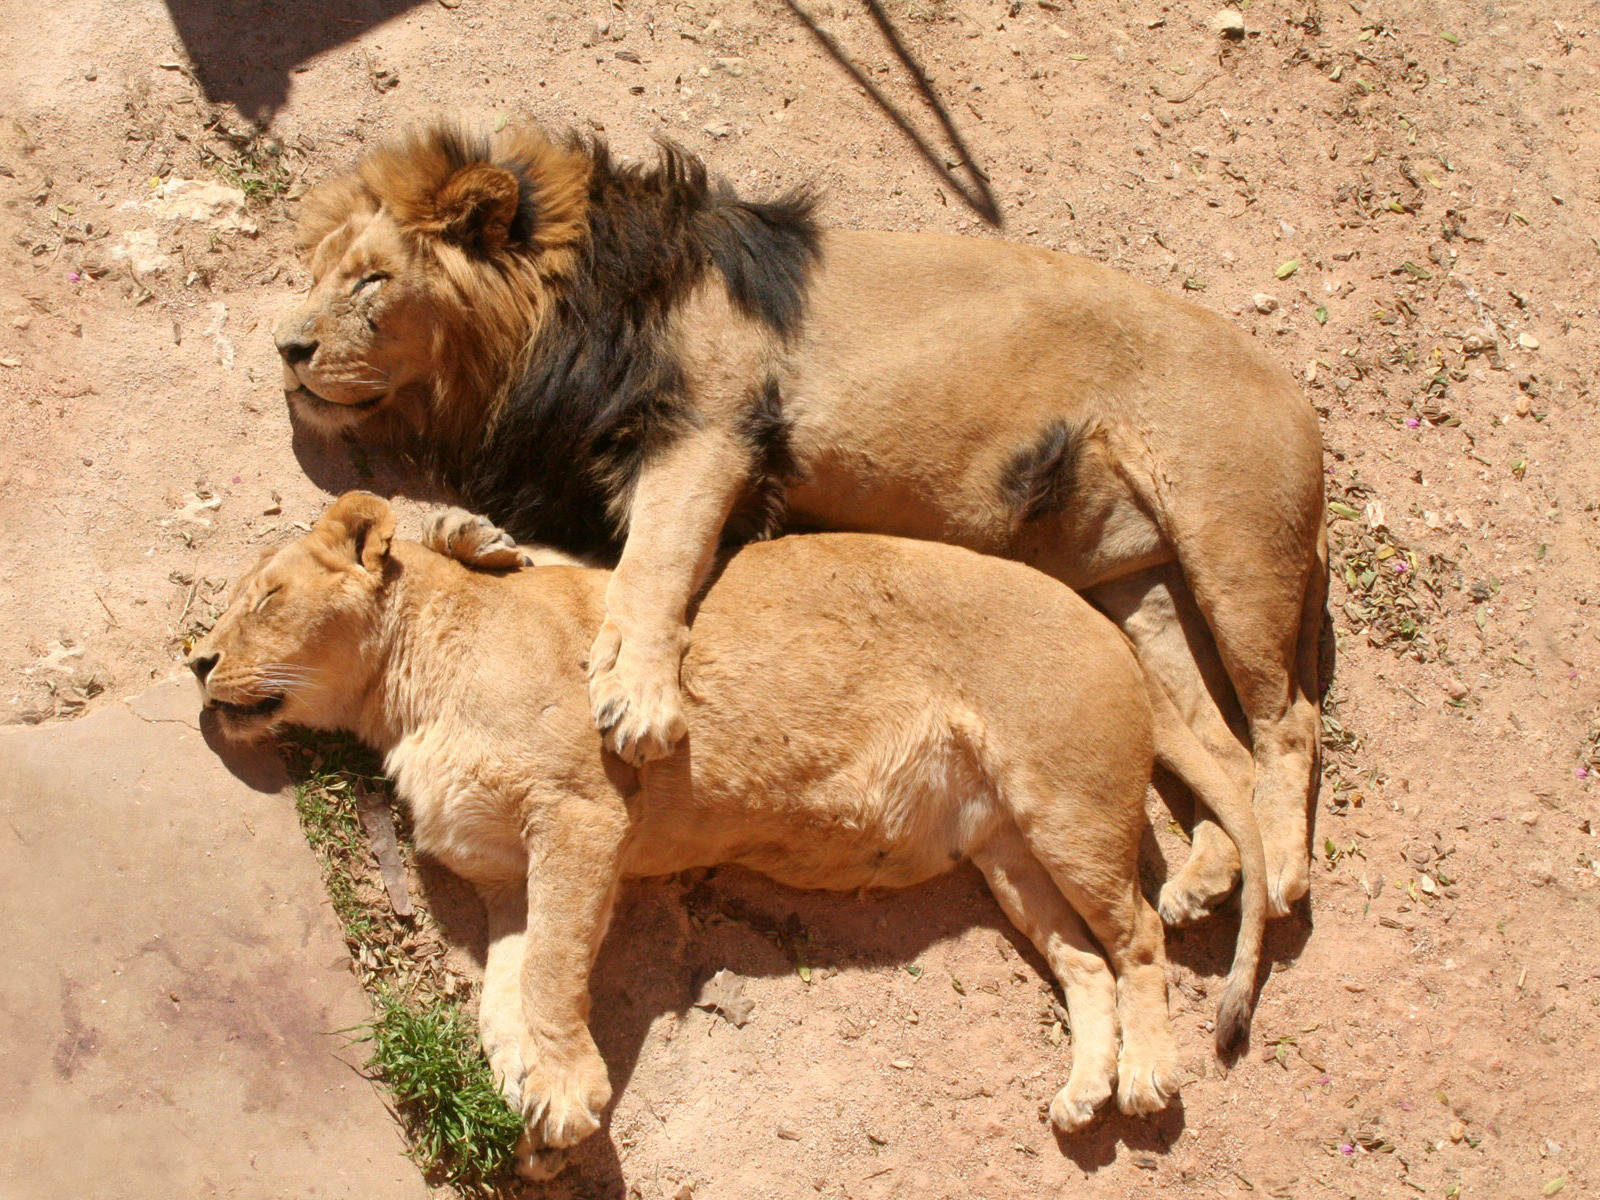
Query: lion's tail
(1181, 752)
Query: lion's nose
(296, 349)
(202, 665)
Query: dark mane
(603, 390)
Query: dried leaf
(378, 821)
(1287, 269)
(724, 994)
(1451, 38)
(1321, 314)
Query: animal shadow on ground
(245, 51)
(338, 465)
(669, 935)
(258, 766)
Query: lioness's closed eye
(864, 715)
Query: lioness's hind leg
(1036, 906)
(1096, 872)
(471, 540)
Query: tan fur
(921, 367)
(861, 712)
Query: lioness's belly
(890, 820)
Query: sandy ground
(1399, 198)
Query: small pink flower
(74, 277)
(1581, 772)
(1401, 566)
(1346, 1148)
(1413, 423)
(238, 479)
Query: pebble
(1527, 341)
(1540, 874)
(1229, 23)
(1264, 303)
(1457, 690)
(1457, 1131)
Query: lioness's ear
(476, 206)
(359, 525)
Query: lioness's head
(292, 647)
(429, 268)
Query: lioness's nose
(296, 349)
(202, 665)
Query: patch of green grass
(461, 1127)
(425, 1045)
(256, 169)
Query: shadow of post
(245, 51)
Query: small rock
(1457, 1131)
(1457, 690)
(1524, 406)
(1527, 341)
(787, 1134)
(721, 129)
(91, 74)
(1540, 874)
(1529, 818)
(1229, 23)
(1264, 303)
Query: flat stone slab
(175, 982)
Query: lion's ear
(476, 206)
(359, 526)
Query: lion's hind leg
(1156, 612)
(1036, 906)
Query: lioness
(862, 714)
(632, 362)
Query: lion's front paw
(637, 703)
(562, 1102)
(471, 540)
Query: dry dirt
(1432, 1021)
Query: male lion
(861, 712)
(632, 363)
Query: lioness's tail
(1182, 753)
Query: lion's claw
(636, 700)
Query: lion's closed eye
(367, 282)
(262, 603)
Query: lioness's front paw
(560, 1107)
(471, 540)
(637, 703)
